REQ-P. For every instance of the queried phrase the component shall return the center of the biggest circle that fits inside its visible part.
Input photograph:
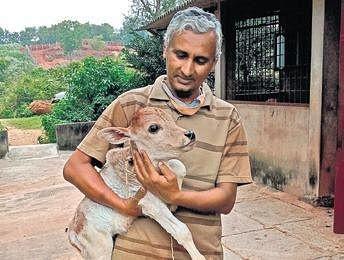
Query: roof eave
(161, 22)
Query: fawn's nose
(191, 135)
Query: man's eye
(153, 129)
(181, 55)
(201, 61)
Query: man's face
(189, 59)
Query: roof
(162, 21)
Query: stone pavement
(36, 204)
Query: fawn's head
(152, 130)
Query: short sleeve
(235, 162)
(96, 147)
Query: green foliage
(37, 84)
(97, 43)
(69, 33)
(49, 122)
(143, 11)
(13, 62)
(2, 127)
(93, 85)
(24, 123)
(144, 53)
(143, 50)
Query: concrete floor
(36, 204)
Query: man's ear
(164, 52)
(114, 135)
(214, 65)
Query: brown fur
(144, 115)
(80, 223)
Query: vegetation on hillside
(91, 84)
(37, 84)
(69, 33)
(13, 63)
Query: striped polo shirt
(219, 155)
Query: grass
(33, 122)
(1, 127)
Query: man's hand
(129, 206)
(219, 199)
(163, 184)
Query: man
(217, 164)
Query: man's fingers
(140, 194)
(151, 171)
(139, 168)
(166, 171)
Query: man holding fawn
(217, 164)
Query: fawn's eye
(153, 129)
(131, 161)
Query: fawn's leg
(157, 210)
(92, 244)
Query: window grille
(268, 62)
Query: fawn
(153, 130)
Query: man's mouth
(184, 81)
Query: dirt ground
(36, 205)
(23, 136)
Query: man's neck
(186, 100)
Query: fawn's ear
(114, 135)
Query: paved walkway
(36, 204)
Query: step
(32, 151)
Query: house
(279, 67)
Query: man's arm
(79, 171)
(219, 199)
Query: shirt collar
(158, 92)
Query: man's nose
(191, 135)
(188, 68)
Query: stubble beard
(183, 93)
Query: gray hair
(196, 20)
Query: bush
(49, 122)
(93, 85)
(13, 62)
(97, 43)
(37, 84)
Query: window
(272, 56)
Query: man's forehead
(188, 41)
(189, 33)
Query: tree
(144, 50)
(46, 35)
(97, 43)
(144, 53)
(143, 11)
(69, 34)
(13, 62)
(28, 36)
(106, 31)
